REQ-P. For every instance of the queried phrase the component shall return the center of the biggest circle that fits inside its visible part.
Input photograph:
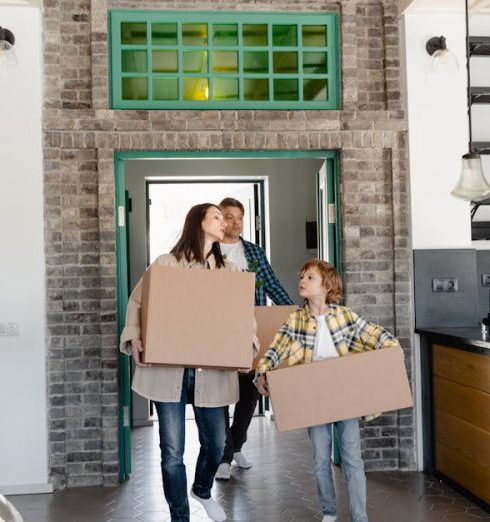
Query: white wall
(23, 434)
(438, 133)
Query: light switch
(9, 329)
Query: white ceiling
(412, 6)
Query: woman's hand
(262, 385)
(137, 349)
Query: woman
(171, 388)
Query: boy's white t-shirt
(235, 253)
(324, 345)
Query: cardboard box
(269, 320)
(197, 318)
(339, 388)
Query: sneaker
(224, 471)
(213, 510)
(241, 461)
(329, 518)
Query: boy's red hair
(330, 278)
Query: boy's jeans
(352, 464)
(211, 427)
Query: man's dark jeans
(236, 435)
(211, 427)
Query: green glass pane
(225, 89)
(254, 35)
(133, 33)
(284, 35)
(315, 89)
(256, 62)
(134, 89)
(286, 89)
(315, 63)
(256, 89)
(195, 34)
(314, 35)
(225, 61)
(133, 61)
(164, 34)
(196, 89)
(225, 34)
(195, 61)
(285, 62)
(165, 89)
(164, 61)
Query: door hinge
(331, 213)
(126, 423)
(258, 224)
(121, 216)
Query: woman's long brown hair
(191, 243)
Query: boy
(321, 329)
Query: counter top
(468, 339)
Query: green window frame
(224, 60)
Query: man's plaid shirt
(296, 338)
(266, 282)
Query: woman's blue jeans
(352, 464)
(211, 427)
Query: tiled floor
(280, 489)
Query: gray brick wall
(80, 137)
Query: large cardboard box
(339, 388)
(269, 320)
(197, 318)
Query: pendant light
(472, 185)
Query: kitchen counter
(468, 339)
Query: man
(248, 257)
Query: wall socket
(449, 284)
(485, 279)
(9, 329)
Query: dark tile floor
(279, 488)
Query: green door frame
(331, 157)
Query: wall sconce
(8, 57)
(443, 60)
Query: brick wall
(80, 137)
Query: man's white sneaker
(213, 510)
(241, 461)
(329, 518)
(224, 471)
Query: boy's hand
(137, 349)
(262, 385)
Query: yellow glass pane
(196, 89)
(255, 62)
(314, 35)
(165, 89)
(256, 89)
(134, 89)
(133, 33)
(164, 34)
(164, 61)
(195, 34)
(254, 35)
(195, 61)
(315, 89)
(225, 61)
(284, 35)
(225, 35)
(314, 63)
(225, 89)
(133, 61)
(285, 62)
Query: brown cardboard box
(197, 318)
(269, 320)
(339, 388)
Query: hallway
(279, 488)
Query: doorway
(296, 217)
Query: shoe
(213, 510)
(224, 471)
(329, 518)
(241, 461)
